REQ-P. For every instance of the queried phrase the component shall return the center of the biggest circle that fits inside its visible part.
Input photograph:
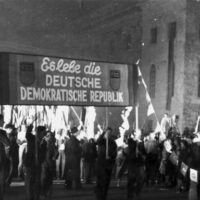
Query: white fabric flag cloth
(150, 110)
(158, 128)
(148, 98)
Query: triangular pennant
(139, 76)
(150, 110)
(139, 72)
(194, 175)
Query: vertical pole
(36, 139)
(106, 117)
(136, 118)
(107, 155)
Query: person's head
(165, 115)
(49, 136)
(108, 132)
(1, 120)
(41, 131)
(9, 128)
(74, 131)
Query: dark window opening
(172, 30)
(154, 34)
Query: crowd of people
(145, 157)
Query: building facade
(171, 46)
(165, 36)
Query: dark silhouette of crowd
(164, 158)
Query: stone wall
(192, 60)
(159, 13)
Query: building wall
(191, 108)
(158, 13)
(117, 40)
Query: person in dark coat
(89, 156)
(73, 158)
(105, 163)
(33, 158)
(48, 166)
(194, 189)
(135, 159)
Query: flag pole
(36, 138)
(107, 155)
(137, 118)
(146, 90)
(75, 113)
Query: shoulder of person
(2, 131)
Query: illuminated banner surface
(48, 80)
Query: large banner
(41, 80)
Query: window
(199, 80)
(152, 84)
(171, 63)
(154, 33)
(172, 30)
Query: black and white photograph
(99, 99)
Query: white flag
(148, 98)
(150, 110)
(139, 72)
(158, 127)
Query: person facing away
(89, 156)
(73, 158)
(106, 155)
(33, 157)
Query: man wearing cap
(106, 154)
(73, 157)
(33, 158)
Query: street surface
(17, 192)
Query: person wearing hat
(106, 155)
(73, 157)
(33, 158)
